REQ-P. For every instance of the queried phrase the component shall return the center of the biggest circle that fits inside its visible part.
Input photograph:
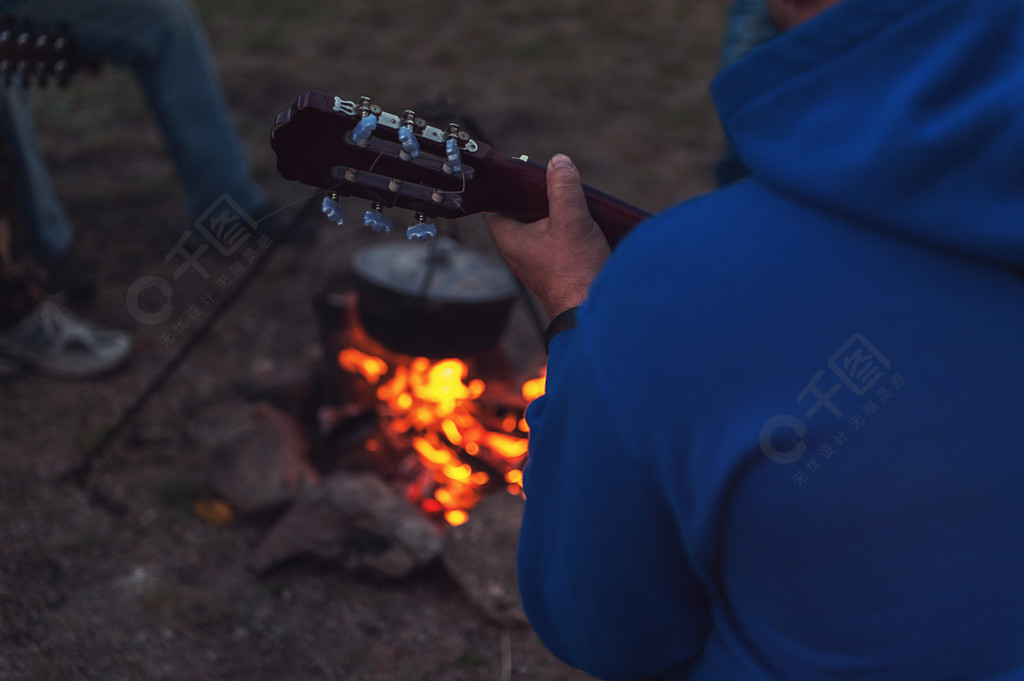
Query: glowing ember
(432, 410)
(534, 388)
(372, 368)
(456, 517)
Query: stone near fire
(263, 466)
(480, 555)
(358, 522)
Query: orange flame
(372, 368)
(534, 388)
(436, 408)
(456, 517)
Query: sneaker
(55, 342)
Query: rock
(288, 384)
(480, 555)
(358, 522)
(214, 423)
(264, 466)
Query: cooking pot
(436, 299)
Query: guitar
(357, 149)
(27, 54)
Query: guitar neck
(519, 191)
(615, 218)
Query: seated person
(781, 433)
(164, 45)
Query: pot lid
(441, 270)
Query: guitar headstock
(33, 57)
(355, 148)
(358, 149)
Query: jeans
(164, 44)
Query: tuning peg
(410, 145)
(453, 164)
(62, 69)
(422, 230)
(367, 124)
(375, 219)
(364, 129)
(332, 209)
(24, 73)
(407, 136)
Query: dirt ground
(156, 593)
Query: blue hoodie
(786, 439)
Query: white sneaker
(56, 342)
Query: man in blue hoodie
(781, 439)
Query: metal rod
(79, 475)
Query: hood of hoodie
(906, 115)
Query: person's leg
(35, 332)
(46, 225)
(163, 42)
(21, 289)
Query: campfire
(376, 459)
(449, 436)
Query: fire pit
(447, 431)
(395, 453)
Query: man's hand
(557, 257)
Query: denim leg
(46, 227)
(164, 44)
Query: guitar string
(305, 198)
(392, 203)
(462, 174)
